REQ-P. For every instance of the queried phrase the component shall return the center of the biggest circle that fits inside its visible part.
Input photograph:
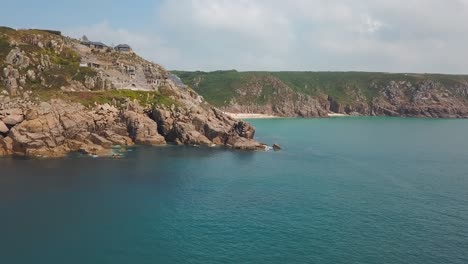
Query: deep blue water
(343, 190)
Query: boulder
(31, 114)
(13, 111)
(100, 141)
(31, 75)
(6, 146)
(247, 144)
(142, 129)
(244, 129)
(17, 58)
(3, 128)
(6, 72)
(45, 61)
(117, 139)
(95, 150)
(13, 120)
(164, 117)
(11, 85)
(48, 127)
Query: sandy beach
(249, 116)
(336, 115)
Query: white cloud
(377, 35)
(370, 25)
(254, 21)
(148, 45)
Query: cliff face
(315, 94)
(55, 128)
(58, 96)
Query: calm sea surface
(343, 190)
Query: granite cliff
(60, 95)
(316, 94)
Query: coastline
(264, 116)
(337, 115)
(250, 116)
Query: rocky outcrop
(316, 94)
(17, 58)
(201, 124)
(425, 99)
(39, 64)
(205, 127)
(270, 96)
(142, 129)
(3, 128)
(57, 128)
(12, 120)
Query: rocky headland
(56, 128)
(319, 94)
(59, 96)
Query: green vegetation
(83, 73)
(65, 65)
(4, 47)
(216, 87)
(89, 98)
(64, 68)
(6, 30)
(220, 87)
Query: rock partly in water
(199, 124)
(57, 128)
(169, 111)
(276, 147)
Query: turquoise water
(343, 190)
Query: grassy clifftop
(220, 87)
(43, 65)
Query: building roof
(122, 46)
(95, 43)
(98, 44)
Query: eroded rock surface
(57, 128)
(192, 121)
(36, 68)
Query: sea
(341, 190)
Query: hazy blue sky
(370, 35)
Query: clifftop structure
(123, 48)
(94, 44)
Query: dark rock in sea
(276, 147)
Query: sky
(267, 35)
